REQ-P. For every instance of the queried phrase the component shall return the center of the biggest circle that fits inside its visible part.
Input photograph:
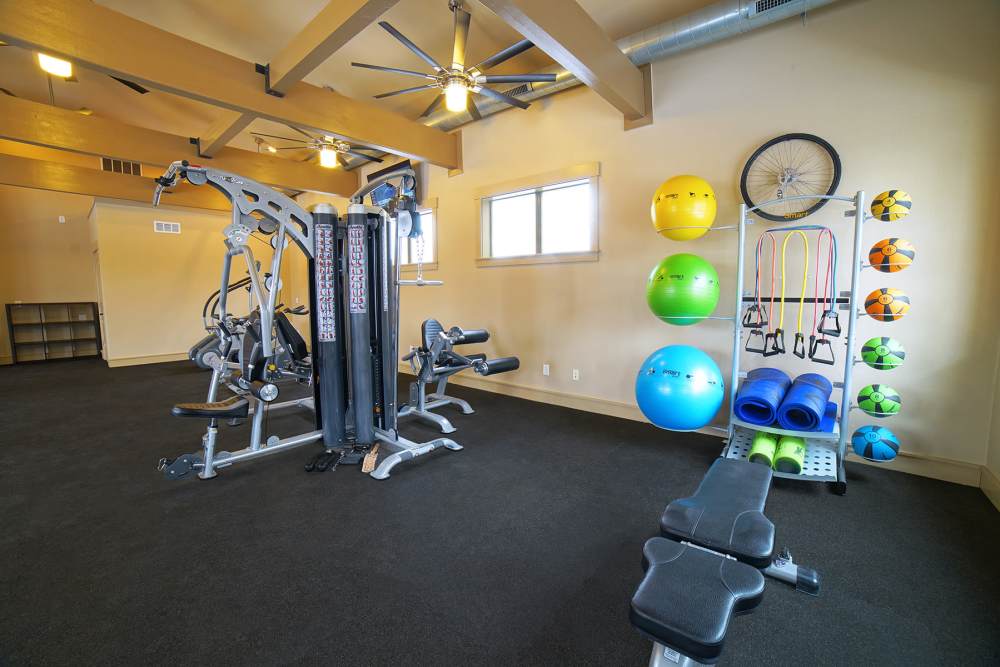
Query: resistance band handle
(777, 343)
(829, 324)
(751, 346)
(799, 347)
(754, 317)
(815, 354)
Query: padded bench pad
(688, 595)
(726, 512)
(235, 407)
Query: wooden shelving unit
(50, 331)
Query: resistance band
(777, 339)
(755, 318)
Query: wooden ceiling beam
(44, 125)
(334, 26)
(99, 38)
(58, 177)
(564, 30)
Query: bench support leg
(664, 656)
(783, 568)
(405, 450)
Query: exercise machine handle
(494, 366)
(420, 282)
(468, 336)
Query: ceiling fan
(330, 150)
(457, 81)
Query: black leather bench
(710, 563)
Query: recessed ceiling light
(55, 66)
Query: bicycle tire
(835, 181)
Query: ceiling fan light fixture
(271, 149)
(328, 158)
(456, 96)
(55, 66)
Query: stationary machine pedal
(180, 467)
(371, 457)
(235, 407)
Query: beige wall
(42, 259)
(917, 112)
(153, 285)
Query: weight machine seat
(235, 407)
(429, 331)
(688, 595)
(726, 513)
(290, 337)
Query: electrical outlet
(62, 219)
(576, 373)
(296, 299)
(545, 369)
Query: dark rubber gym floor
(523, 549)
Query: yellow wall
(153, 285)
(917, 112)
(40, 259)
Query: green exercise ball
(682, 289)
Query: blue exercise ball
(679, 388)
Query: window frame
(538, 184)
(430, 204)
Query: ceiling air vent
(121, 166)
(761, 6)
(162, 227)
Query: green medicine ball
(883, 353)
(879, 400)
(682, 289)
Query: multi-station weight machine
(354, 300)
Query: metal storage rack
(825, 452)
(48, 331)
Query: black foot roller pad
(236, 407)
(688, 595)
(726, 513)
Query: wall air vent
(121, 166)
(162, 227)
(761, 6)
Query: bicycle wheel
(787, 166)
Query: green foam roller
(763, 448)
(791, 454)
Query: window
(555, 220)
(408, 248)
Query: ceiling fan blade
(519, 78)
(130, 84)
(302, 132)
(470, 106)
(433, 105)
(462, 19)
(404, 90)
(291, 148)
(506, 54)
(411, 46)
(274, 136)
(7, 92)
(396, 70)
(362, 155)
(342, 161)
(503, 97)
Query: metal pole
(852, 319)
(734, 376)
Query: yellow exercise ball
(683, 208)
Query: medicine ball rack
(825, 451)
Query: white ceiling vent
(162, 227)
(764, 5)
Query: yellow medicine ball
(683, 208)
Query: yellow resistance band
(805, 274)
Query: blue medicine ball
(875, 443)
(679, 388)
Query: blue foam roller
(830, 418)
(760, 395)
(805, 403)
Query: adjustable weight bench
(436, 361)
(709, 565)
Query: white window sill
(412, 268)
(555, 258)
